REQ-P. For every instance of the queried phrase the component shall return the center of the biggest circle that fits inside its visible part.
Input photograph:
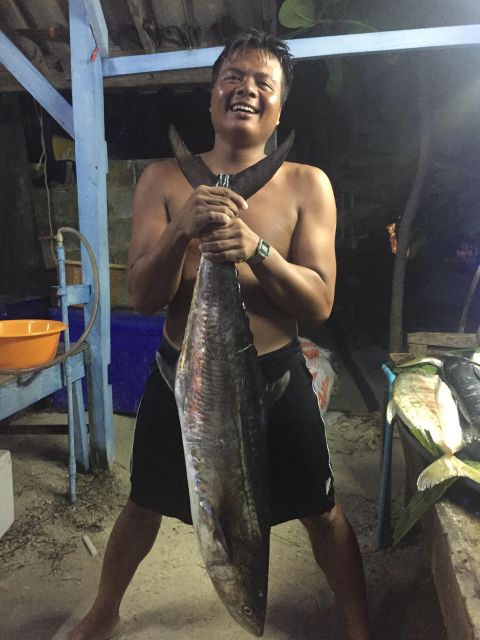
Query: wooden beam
(140, 18)
(306, 48)
(98, 25)
(17, 393)
(36, 84)
(52, 32)
(166, 61)
(91, 170)
(384, 41)
(182, 78)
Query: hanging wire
(43, 162)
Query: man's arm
(158, 245)
(302, 286)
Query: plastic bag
(323, 376)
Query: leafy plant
(325, 17)
(421, 502)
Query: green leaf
(422, 364)
(297, 13)
(426, 440)
(417, 507)
(473, 463)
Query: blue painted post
(36, 84)
(91, 165)
(383, 533)
(77, 427)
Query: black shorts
(301, 481)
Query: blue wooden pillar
(91, 167)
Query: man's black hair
(255, 39)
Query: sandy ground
(48, 577)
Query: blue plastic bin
(134, 339)
(15, 308)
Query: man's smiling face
(247, 96)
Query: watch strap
(261, 252)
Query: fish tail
(390, 415)
(448, 466)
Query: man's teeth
(243, 107)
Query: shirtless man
(294, 213)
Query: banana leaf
(421, 502)
(297, 13)
(427, 442)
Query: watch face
(261, 252)
(263, 249)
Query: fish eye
(247, 611)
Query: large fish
(221, 398)
(463, 378)
(425, 404)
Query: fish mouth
(250, 620)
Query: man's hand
(209, 208)
(231, 242)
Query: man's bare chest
(272, 213)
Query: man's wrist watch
(261, 252)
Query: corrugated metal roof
(40, 30)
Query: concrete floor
(48, 577)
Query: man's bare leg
(337, 553)
(131, 539)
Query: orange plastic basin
(28, 343)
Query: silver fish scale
(219, 391)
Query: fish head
(244, 599)
(238, 572)
(250, 618)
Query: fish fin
(167, 371)
(219, 535)
(420, 360)
(246, 183)
(446, 467)
(391, 413)
(275, 390)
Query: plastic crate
(134, 341)
(15, 307)
(118, 282)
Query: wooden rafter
(26, 73)
(182, 78)
(269, 18)
(47, 27)
(144, 24)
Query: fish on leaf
(425, 404)
(222, 403)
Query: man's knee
(141, 514)
(323, 523)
